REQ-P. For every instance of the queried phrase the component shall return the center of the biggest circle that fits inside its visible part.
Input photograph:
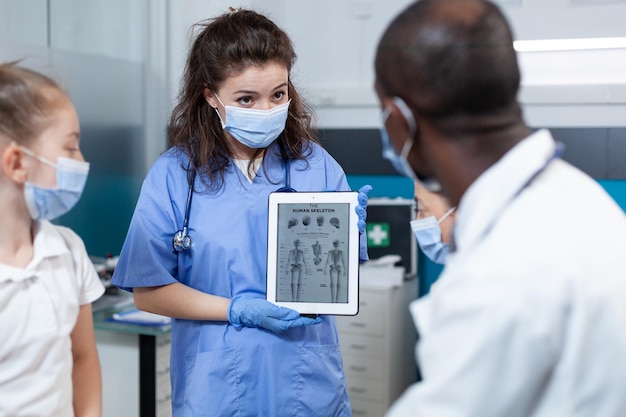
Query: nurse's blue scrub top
(218, 369)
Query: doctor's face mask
(253, 127)
(399, 161)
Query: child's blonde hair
(28, 101)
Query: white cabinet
(377, 346)
(135, 373)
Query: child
(49, 362)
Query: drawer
(359, 346)
(163, 352)
(162, 370)
(163, 389)
(372, 315)
(373, 389)
(366, 367)
(163, 340)
(164, 408)
(367, 408)
(373, 299)
(363, 323)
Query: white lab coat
(528, 318)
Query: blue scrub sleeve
(147, 258)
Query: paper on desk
(384, 261)
(382, 272)
(136, 316)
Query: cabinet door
(365, 367)
(163, 385)
(119, 359)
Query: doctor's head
(237, 96)
(447, 79)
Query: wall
(98, 51)
(335, 42)
(124, 58)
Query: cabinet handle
(165, 398)
(163, 341)
(357, 324)
(359, 412)
(358, 368)
(358, 390)
(358, 347)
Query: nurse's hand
(245, 310)
(361, 209)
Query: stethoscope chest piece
(181, 241)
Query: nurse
(240, 131)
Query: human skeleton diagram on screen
(335, 266)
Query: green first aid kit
(389, 231)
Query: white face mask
(428, 234)
(50, 203)
(252, 127)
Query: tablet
(313, 252)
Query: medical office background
(121, 61)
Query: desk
(135, 366)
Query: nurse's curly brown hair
(224, 47)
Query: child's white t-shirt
(39, 307)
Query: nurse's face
(256, 87)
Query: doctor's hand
(361, 209)
(245, 310)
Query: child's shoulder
(70, 237)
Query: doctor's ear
(400, 122)
(12, 163)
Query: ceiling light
(542, 45)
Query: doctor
(528, 316)
(196, 248)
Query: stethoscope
(182, 241)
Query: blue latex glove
(245, 310)
(361, 209)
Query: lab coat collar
(492, 191)
(47, 243)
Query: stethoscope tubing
(181, 241)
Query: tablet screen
(313, 252)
